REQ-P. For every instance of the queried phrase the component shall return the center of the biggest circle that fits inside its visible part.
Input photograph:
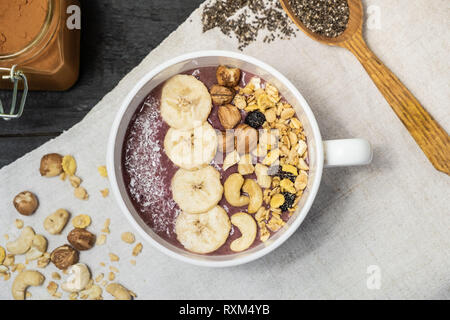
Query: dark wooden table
(116, 36)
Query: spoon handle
(429, 135)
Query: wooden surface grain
(116, 35)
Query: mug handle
(347, 152)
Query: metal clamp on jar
(39, 48)
(15, 76)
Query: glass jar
(50, 61)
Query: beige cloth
(393, 214)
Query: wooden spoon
(429, 135)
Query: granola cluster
(283, 171)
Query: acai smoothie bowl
(215, 158)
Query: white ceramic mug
(332, 153)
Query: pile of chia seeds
(244, 19)
(328, 18)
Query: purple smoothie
(148, 172)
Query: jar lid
(22, 25)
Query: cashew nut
(25, 279)
(56, 222)
(79, 276)
(232, 190)
(38, 247)
(118, 291)
(23, 243)
(247, 227)
(255, 193)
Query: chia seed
(244, 19)
(328, 18)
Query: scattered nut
(52, 288)
(99, 277)
(23, 243)
(81, 221)
(75, 181)
(44, 260)
(102, 171)
(56, 276)
(262, 176)
(26, 203)
(133, 262)
(232, 191)
(128, 237)
(113, 257)
(19, 224)
(301, 181)
(38, 247)
(9, 260)
(64, 256)
(221, 95)
(111, 276)
(81, 193)
(228, 77)
(230, 160)
(118, 291)
(51, 165)
(73, 296)
(104, 192)
(79, 276)
(245, 166)
(81, 239)
(101, 240)
(255, 194)
(247, 227)
(23, 281)
(137, 249)
(246, 138)
(69, 165)
(229, 116)
(92, 292)
(114, 269)
(106, 226)
(56, 222)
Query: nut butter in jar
(35, 38)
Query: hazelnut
(246, 138)
(81, 239)
(225, 141)
(229, 116)
(228, 77)
(26, 203)
(64, 256)
(51, 165)
(221, 95)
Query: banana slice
(197, 191)
(205, 232)
(247, 227)
(191, 149)
(185, 102)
